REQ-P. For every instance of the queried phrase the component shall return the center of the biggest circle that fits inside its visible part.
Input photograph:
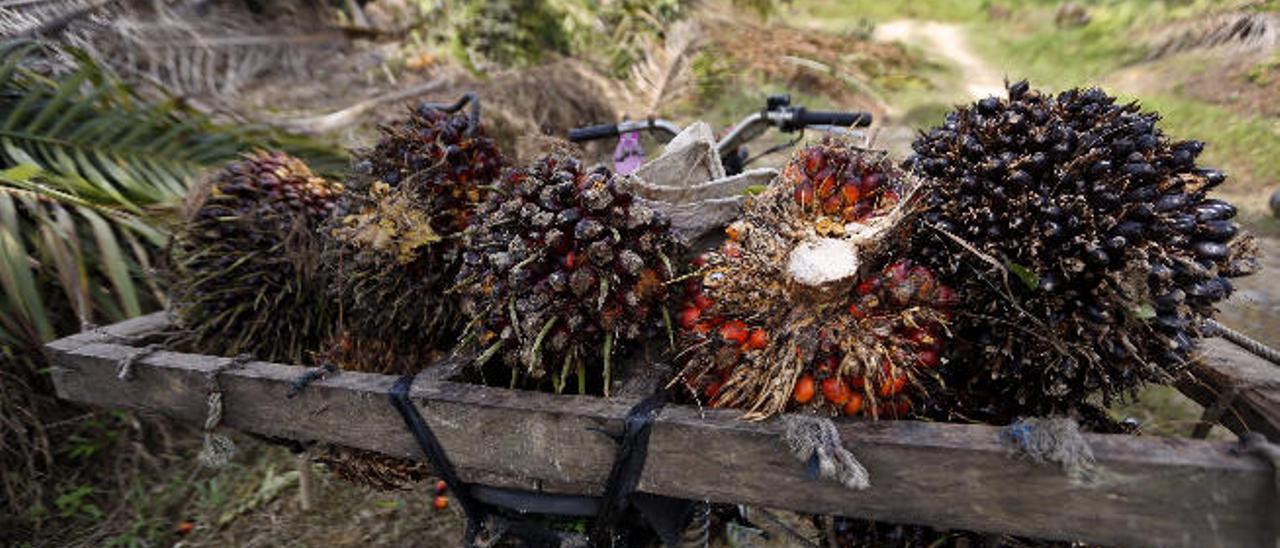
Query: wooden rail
(1248, 386)
(1142, 491)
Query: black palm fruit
(398, 250)
(564, 270)
(1082, 242)
(247, 274)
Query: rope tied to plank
(217, 449)
(474, 511)
(628, 464)
(1052, 439)
(124, 367)
(815, 441)
(296, 386)
(1258, 348)
(486, 525)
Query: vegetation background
(111, 109)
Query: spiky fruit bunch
(804, 304)
(447, 158)
(1081, 239)
(565, 269)
(247, 274)
(399, 249)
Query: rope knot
(1053, 439)
(217, 450)
(124, 367)
(815, 441)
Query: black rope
(296, 386)
(478, 502)
(474, 510)
(628, 464)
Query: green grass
(1247, 146)
(844, 11)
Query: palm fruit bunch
(1082, 242)
(804, 305)
(246, 262)
(399, 248)
(564, 270)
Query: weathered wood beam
(1141, 491)
(1249, 386)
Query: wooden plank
(124, 332)
(1142, 490)
(1251, 383)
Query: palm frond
(664, 75)
(90, 175)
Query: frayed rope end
(815, 442)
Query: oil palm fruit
(564, 270)
(398, 249)
(1082, 242)
(247, 274)
(804, 304)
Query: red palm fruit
(689, 317)
(903, 406)
(868, 286)
(702, 302)
(712, 390)
(832, 205)
(836, 391)
(928, 358)
(851, 193)
(872, 181)
(827, 188)
(854, 406)
(890, 387)
(804, 194)
(804, 390)
(945, 296)
(814, 161)
(757, 340)
(735, 331)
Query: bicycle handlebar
(838, 119)
(603, 131)
(591, 133)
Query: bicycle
(778, 113)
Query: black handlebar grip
(838, 119)
(591, 133)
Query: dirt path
(947, 41)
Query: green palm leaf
(91, 173)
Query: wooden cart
(1142, 490)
